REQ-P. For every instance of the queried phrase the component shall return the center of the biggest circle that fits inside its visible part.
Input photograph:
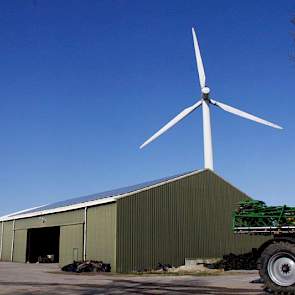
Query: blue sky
(84, 83)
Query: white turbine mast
(206, 102)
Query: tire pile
(87, 266)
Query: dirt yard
(17, 278)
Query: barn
(132, 228)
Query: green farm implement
(256, 215)
(276, 261)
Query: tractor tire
(277, 267)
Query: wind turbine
(205, 102)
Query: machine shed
(133, 228)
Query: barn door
(20, 244)
(71, 243)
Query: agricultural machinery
(276, 261)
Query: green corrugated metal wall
(20, 245)
(7, 240)
(71, 243)
(71, 235)
(101, 233)
(188, 218)
(1, 238)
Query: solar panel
(102, 195)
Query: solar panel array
(102, 195)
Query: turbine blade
(171, 123)
(200, 66)
(244, 114)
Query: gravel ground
(18, 278)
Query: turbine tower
(206, 102)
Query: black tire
(275, 278)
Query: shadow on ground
(119, 287)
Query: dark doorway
(42, 242)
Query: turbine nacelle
(205, 90)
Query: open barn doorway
(43, 244)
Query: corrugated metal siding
(187, 218)
(7, 240)
(1, 237)
(101, 233)
(20, 245)
(56, 219)
(71, 243)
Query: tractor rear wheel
(277, 267)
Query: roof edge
(94, 202)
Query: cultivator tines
(252, 213)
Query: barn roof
(93, 199)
